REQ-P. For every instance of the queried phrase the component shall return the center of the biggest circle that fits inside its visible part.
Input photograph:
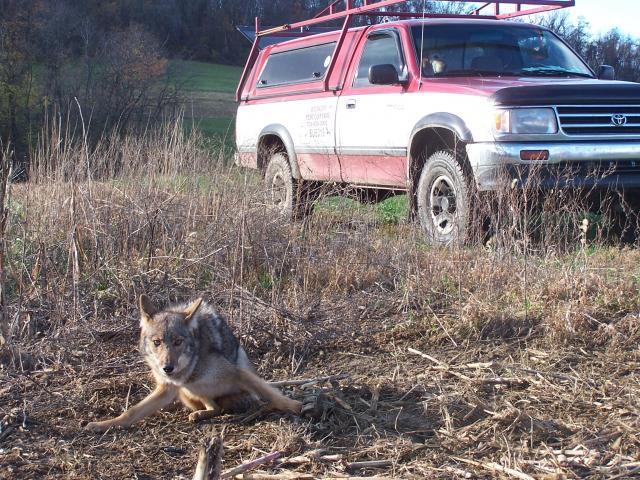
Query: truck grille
(600, 120)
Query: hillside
(209, 91)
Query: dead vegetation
(518, 360)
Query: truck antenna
(424, 9)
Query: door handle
(351, 104)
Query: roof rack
(376, 9)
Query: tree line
(104, 62)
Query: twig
(375, 396)
(517, 382)
(276, 476)
(439, 364)
(306, 458)
(6, 432)
(251, 465)
(308, 381)
(496, 467)
(369, 464)
(209, 464)
(336, 476)
(428, 357)
(626, 474)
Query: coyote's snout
(194, 356)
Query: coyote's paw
(201, 415)
(295, 407)
(314, 406)
(99, 427)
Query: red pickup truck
(440, 108)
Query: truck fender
(283, 134)
(443, 120)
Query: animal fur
(194, 356)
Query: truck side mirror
(385, 74)
(606, 72)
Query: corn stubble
(515, 356)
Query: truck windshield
(492, 50)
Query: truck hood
(524, 91)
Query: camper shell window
(297, 66)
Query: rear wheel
(285, 195)
(443, 200)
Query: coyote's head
(167, 338)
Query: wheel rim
(443, 203)
(279, 191)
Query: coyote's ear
(191, 310)
(147, 309)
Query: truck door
(370, 133)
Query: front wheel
(443, 200)
(285, 195)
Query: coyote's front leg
(162, 396)
(212, 411)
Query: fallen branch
(251, 465)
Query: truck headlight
(528, 121)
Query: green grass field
(204, 77)
(220, 127)
(209, 90)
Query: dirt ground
(503, 407)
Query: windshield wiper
(555, 72)
(476, 73)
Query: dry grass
(532, 348)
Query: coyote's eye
(157, 343)
(177, 342)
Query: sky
(603, 15)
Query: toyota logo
(619, 120)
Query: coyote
(194, 356)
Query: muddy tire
(285, 195)
(443, 200)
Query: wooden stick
(308, 381)
(209, 463)
(251, 465)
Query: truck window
(505, 50)
(380, 49)
(296, 66)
